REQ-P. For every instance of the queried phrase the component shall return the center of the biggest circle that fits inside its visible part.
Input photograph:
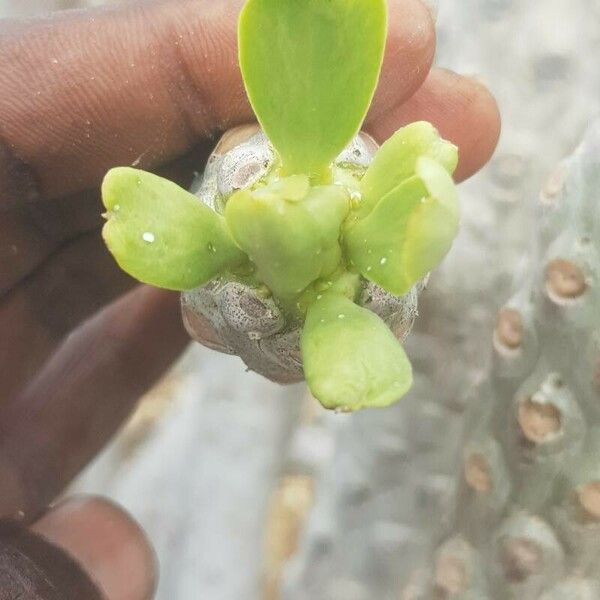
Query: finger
(69, 287)
(409, 53)
(83, 394)
(462, 109)
(34, 569)
(31, 231)
(85, 91)
(109, 546)
(77, 280)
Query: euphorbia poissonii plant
(310, 235)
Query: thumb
(84, 548)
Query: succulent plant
(304, 264)
(528, 503)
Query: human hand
(148, 84)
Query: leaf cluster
(310, 69)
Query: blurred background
(249, 490)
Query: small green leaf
(409, 231)
(397, 158)
(311, 68)
(290, 231)
(351, 358)
(162, 235)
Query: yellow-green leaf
(311, 68)
(351, 358)
(162, 235)
(397, 158)
(409, 231)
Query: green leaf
(162, 235)
(290, 231)
(396, 161)
(311, 68)
(351, 358)
(409, 231)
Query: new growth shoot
(309, 234)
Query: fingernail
(106, 542)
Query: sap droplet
(148, 237)
(211, 247)
(369, 269)
(383, 261)
(116, 208)
(341, 316)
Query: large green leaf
(396, 161)
(351, 358)
(162, 235)
(409, 231)
(311, 68)
(290, 231)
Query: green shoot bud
(290, 231)
(408, 232)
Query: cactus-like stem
(532, 457)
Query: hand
(148, 84)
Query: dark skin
(151, 84)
